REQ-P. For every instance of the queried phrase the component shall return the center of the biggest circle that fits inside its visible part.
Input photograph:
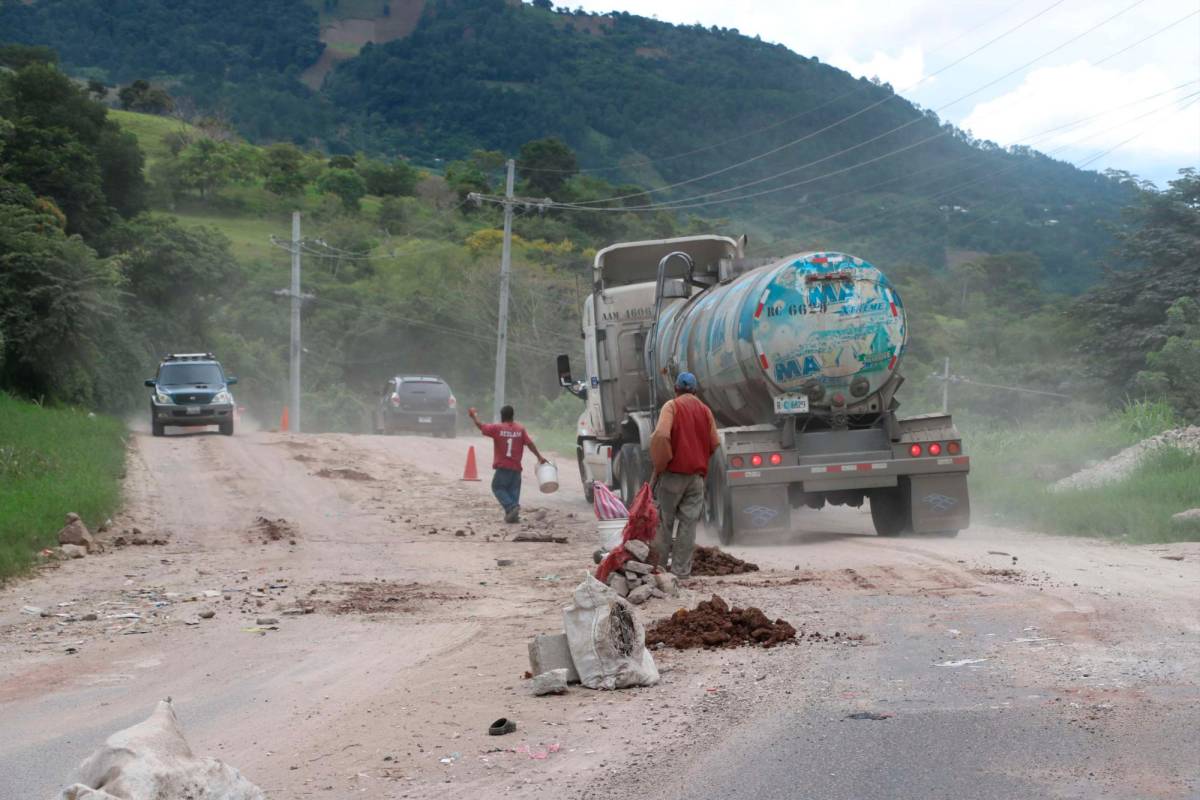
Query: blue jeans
(506, 485)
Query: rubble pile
(713, 623)
(637, 581)
(714, 561)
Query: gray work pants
(680, 500)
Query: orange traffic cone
(283, 421)
(471, 473)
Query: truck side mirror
(564, 370)
(151, 382)
(230, 380)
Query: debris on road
(381, 597)
(75, 532)
(552, 681)
(73, 551)
(274, 530)
(343, 473)
(607, 640)
(541, 538)
(962, 662)
(714, 561)
(550, 651)
(152, 759)
(712, 623)
(871, 715)
(502, 726)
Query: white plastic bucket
(547, 476)
(610, 531)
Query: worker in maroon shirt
(680, 447)
(511, 439)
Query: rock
(207, 613)
(618, 584)
(266, 621)
(90, 617)
(1187, 519)
(656, 592)
(75, 532)
(73, 551)
(104, 526)
(638, 549)
(33, 611)
(504, 562)
(552, 681)
(638, 567)
(640, 595)
(212, 593)
(667, 583)
(549, 651)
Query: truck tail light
(935, 449)
(776, 459)
(737, 461)
(452, 402)
(395, 399)
(756, 460)
(953, 448)
(914, 450)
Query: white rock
(73, 551)
(641, 594)
(638, 549)
(552, 681)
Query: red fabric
(691, 437)
(510, 440)
(642, 525)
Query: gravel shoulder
(416, 638)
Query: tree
(17, 56)
(545, 165)
(347, 184)
(206, 166)
(141, 96)
(396, 179)
(282, 170)
(1174, 369)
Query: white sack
(607, 641)
(152, 761)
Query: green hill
(858, 167)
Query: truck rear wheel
(890, 510)
(633, 472)
(718, 511)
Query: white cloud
(901, 70)
(1058, 95)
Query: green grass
(1012, 469)
(151, 131)
(250, 235)
(53, 461)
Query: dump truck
(798, 358)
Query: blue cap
(685, 381)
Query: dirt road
(416, 641)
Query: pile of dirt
(1123, 464)
(345, 473)
(714, 561)
(713, 623)
(274, 530)
(384, 597)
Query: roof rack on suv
(189, 357)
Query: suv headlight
(163, 399)
(223, 396)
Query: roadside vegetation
(52, 461)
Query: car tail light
(452, 402)
(756, 460)
(953, 448)
(776, 459)
(737, 461)
(935, 449)
(914, 450)
(395, 398)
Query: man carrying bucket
(510, 438)
(683, 442)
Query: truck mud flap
(760, 508)
(940, 503)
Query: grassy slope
(151, 131)
(53, 461)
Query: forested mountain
(640, 101)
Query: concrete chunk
(640, 595)
(618, 584)
(638, 549)
(638, 567)
(551, 682)
(667, 583)
(549, 651)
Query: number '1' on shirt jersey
(510, 440)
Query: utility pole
(294, 363)
(505, 270)
(946, 387)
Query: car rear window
(425, 387)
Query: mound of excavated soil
(714, 561)
(273, 530)
(382, 597)
(713, 623)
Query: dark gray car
(191, 390)
(417, 403)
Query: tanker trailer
(798, 358)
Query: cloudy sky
(1098, 98)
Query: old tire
(890, 511)
(589, 492)
(226, 428)
(633, 472)
(156, 428)
(718, 508)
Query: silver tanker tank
(825, 325)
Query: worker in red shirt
(511, 439)
(680, 447)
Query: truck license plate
(193, 410)
(791, 404)
(425, 420)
